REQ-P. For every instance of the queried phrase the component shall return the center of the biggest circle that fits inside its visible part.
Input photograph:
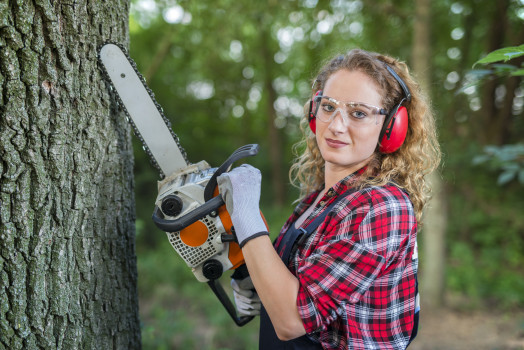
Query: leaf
(474, 77)
(518, 73)
(521, 176)
(465, 87)
(491, 149)
(479, 73)
(503, 68)
(506, 177)
(514, 167)
(480, 159)
(504, 54)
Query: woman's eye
(327, 107)
(358, 114)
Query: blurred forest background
(228, 73)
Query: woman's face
(346, 144)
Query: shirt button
(322, 202)
(331, 193)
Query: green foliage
(509, 158)
(178, 312)
(494, 69)
(505, 54)
(485, 237)
(212, 67)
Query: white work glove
(240, 189)
(246, 297)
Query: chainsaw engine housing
(200, 244)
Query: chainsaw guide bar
(158, 139)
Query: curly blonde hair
(408, 166)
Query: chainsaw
(188, 206)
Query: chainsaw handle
(242, 152)
(219, 291)
(176, 225)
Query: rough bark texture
(433, 235)
(489, 111)
(274, 138)
(67, 252)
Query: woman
(342, 273)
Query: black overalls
(268, 339)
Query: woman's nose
(338, 122)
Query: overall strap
(416, 317)
(293, 234)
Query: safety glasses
(353, 113)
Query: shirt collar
(343, 185)
(339, 188)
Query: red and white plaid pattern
(356, 271)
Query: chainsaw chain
(128, 117)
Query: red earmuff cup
(311, 118)
(313, 125)
(398, 134)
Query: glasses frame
(343, 111)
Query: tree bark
(490, 110)
(67, 250)
(507, 133)
(274, 137)
(434, 232)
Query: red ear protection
(394, 131)
(395, 126)
(312, 112)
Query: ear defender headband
(395, 125)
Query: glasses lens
(316, 104)
(361, 113)
(353, 113)
(325, 108)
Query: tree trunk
(67, 261)
(274, 138)
(505, 122)
(433, 235)
(490, 110)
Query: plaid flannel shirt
(357, 270)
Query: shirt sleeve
(353, 248)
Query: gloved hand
(246, 297)
(240, 189)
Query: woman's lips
(336, 143)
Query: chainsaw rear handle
(219, 291)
